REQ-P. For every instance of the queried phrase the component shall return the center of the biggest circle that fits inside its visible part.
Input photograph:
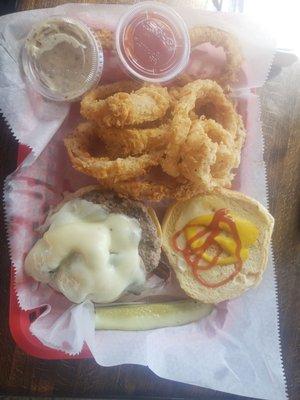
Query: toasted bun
(182, 212)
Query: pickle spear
(141, 317)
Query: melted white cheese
(88, 254)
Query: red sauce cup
(152, 42)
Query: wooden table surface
(23, 375)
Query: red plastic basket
(19, 321)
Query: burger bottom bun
(182, 212)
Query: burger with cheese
(96, 246)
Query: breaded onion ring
(90, 102)
(133, 141)
(208, 155)
(218, 38)
(239, 140)
(203, 91)
(155, 191)
(106, 38)
(80, 146)
(199, 154)
(149, 103)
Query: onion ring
(89, 103)
(218, 38)
(132, 141)
(154, 191)
(209, 155)
(111, 106)
(106, 38)
(239, 140)
(203, 91)
(101, 167)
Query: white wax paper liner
(236, 349)
(34, 120)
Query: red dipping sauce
(152, 42)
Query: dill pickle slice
(139, 317)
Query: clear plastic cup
(152, 42)
(62, 58)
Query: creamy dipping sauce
(88, 254)
(64, 56)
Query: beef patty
(150, 243)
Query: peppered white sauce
(61, 54)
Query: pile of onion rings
(192, 135)
(151, 142)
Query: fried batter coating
(218, 38)
(203, 92)
(208, 155)
(124, 106)
(90, 103)
(106, 38)
(80, 148)
(133, 141)
(150, 190)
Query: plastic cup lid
(152, 42)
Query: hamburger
(96, 246)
